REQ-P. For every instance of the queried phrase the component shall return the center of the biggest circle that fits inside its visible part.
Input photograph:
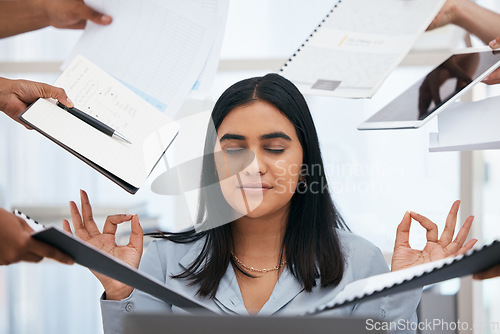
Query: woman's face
(261, 159)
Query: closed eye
(233, 150)
(275, 150)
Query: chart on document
(357, 45)
(161, 49)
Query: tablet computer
(435, 91)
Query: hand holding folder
(106, 108)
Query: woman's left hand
(436, 248)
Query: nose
(257, 167)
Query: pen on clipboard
(95, 123)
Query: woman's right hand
(86, 229)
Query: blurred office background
(375, 176)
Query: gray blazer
(164, 258)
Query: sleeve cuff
(113, 312)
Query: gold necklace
(238, 261)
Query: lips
(255, 186)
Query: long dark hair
(310, 244)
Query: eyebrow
(278, 134)
(229, 136)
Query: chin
(244, 204)
(254, 212)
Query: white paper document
(468, 126)
(162, 49)
(104, 98)
(357, 46)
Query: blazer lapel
(285, 290)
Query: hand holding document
(102, 99)
(162, 49)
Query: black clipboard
(92, 258)
(473, 261)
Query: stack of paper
(162, 49)
(468, 126)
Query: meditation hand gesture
(86, 229)
(436, 248)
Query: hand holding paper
(436, 248)
(16, 95)
(73, 14)
(106, 99)
(86, 229)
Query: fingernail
(106, 19)
(493, 44)
(71, 104)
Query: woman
(270, 239)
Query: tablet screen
(431, 93)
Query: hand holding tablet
(434, 92)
